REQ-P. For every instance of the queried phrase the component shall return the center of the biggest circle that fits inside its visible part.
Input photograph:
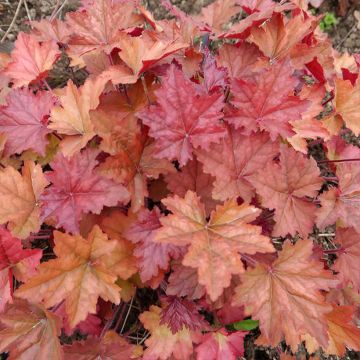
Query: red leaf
(183, 281)
(180, 313)
(14, 261)
(221, 345)
(24, 121)
(183, 120)
(215, 78)
(266, 101)
(31, 60)
(192, 177)
(235, 160)
(110, 347)
(347, 263)
(91, 325)
(152, 256)
(77, 189)
(285, 296)
(284, 187)
(342, 203)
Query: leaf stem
(337, 161)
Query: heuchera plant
(197, 182)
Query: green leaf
(247, 325)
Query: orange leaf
(341, 330)
(83, 271)
(72, 118)
(285, 186)
(215, 245)
(30, 332)
(141, 52)
(218, 14)
(234, 160)
(276, 38)
(19, 196)
(285, 296)
(31, 60)
(342, 203)
(97, 27)
(163, 343)
(347, 98)
(110, 347)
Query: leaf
(24, 121)
(347, 98)
(109, 347)
(45, 30)
(72, 118)
(238, 59)
(276, 38)
(77, 189)
(265, 101)
(342, 203)
(31, 60)
(183, 281)
(179, 314)
(218, 14)
(19, 198)
(285, 296)
(153, 257)
(141, 52)
(341, 330)
(133, 166)
(114, 223)
(183, 120)
(192, 177)
(235, 160)
(97, 27)
(347, 263)
(30, 332)
(14, 261)
(246, 325)
(284, 187)
(215, 77)
(90, 326)
(251, 6)
(163, 343)
(221, 345)
(215, 245)
(82, 272)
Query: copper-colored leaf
(215, 245)
(285, 186)
(285, 296)
(30, 332)
(19, 198)
(347, 98)
(83, 271)
(162, 344)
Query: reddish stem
(337, 161)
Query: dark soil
(346, 34)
